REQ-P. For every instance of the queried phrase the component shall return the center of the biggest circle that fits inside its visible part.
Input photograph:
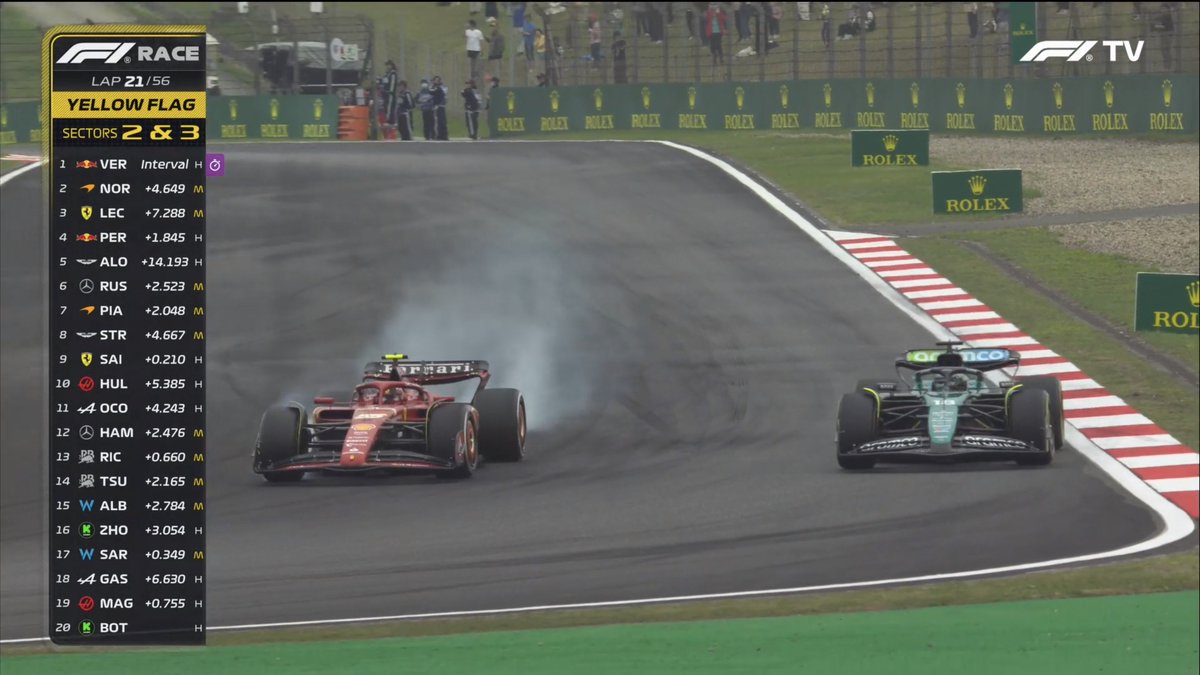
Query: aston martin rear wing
(976, 358)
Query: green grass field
(1140, 633)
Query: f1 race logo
(1078, 50)
(108, 52)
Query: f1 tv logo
(108, 52)
(1078, 50)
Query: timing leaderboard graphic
(127, 344)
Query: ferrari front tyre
(501, 424)
(1053, 389)
(279, 439)
(857, 423)
(1029, 420)
(452, 436)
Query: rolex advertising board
(293, 117)
(1167, 303)
(981, 191)
(889, 147)
(1120, 104)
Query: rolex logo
(977, 184)
(598, 99)
(233, 109)
(1193, 291)
(890, 142)
(318, 108)
(691, 98)
(783, 95)
(1108, 93)
(960, 93)
(274, 108)
(870, 94)
(827, 90)
(510, 99)
(1058, 95)
(739, 95)
(1008, 96)
(646, 98)
(1166, 86)
(915, 90)
(554, 100)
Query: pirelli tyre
(501, 424)
(452, 436)
(279, 438)
(1029, 420)
(1053, 389)
(857, 422)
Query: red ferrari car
(392, 422)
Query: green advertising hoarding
(982, 191)
(889, 147)
(20, 122)
(1127, 104)
(272, 117)
(1022, 31)
(1167, 302)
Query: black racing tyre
(1029, 420)
(452, 435)
(501, 424)
(1053, 389)
(857, 422)
(279, 438)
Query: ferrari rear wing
(426, 372)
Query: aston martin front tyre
(1053, 389)
(501, 424)
(279, 439)
(857, 423)
(1029, 420)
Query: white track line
(1175, 523)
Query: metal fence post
(891, 54)
(949, 9)
(666, 40)
(918, 44)
(796, 45)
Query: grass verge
(1158, 574)
(1141, 633)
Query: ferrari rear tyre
(452, 436)
(501, 424)
(1029, 420)
(1053, 389)
(857, 422)
(278, 439)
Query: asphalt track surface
(681, 346)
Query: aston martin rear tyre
(278, 439)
